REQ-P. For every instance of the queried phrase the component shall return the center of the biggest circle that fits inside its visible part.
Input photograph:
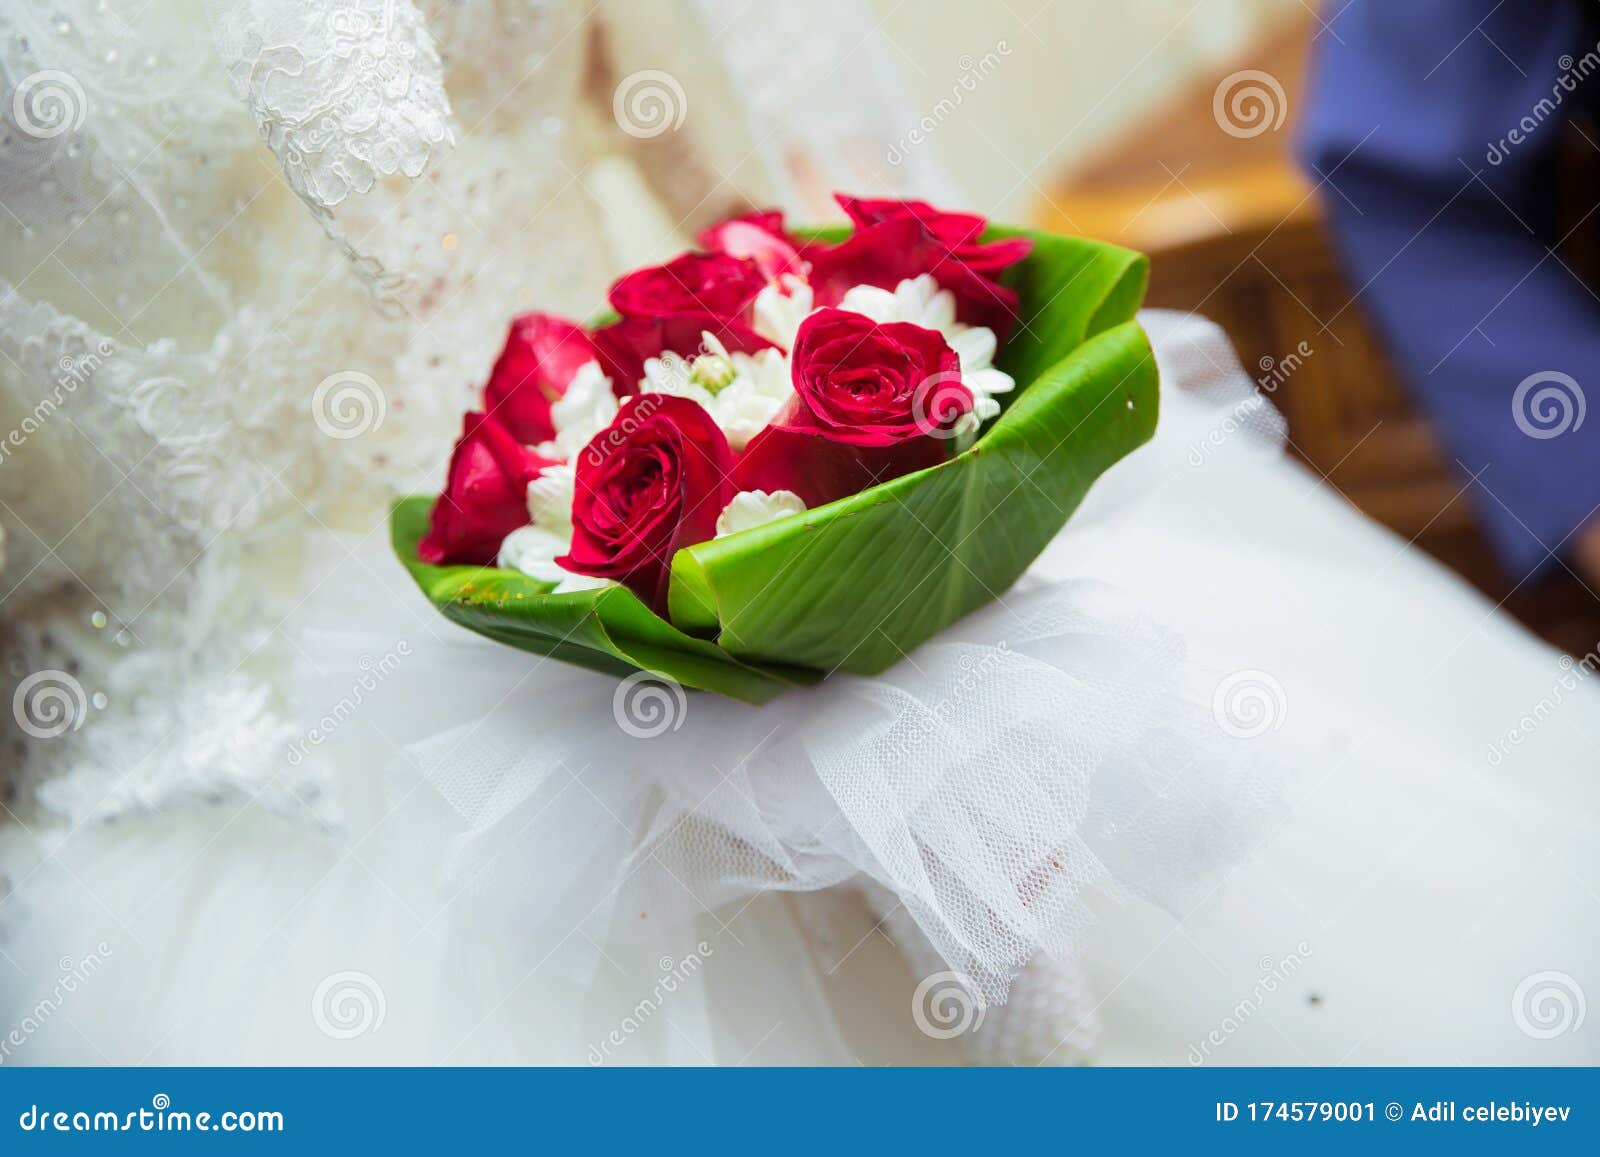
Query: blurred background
(1103, 120)
(1066, 80)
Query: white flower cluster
(741, 392)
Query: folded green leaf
(607, 629)
(858, 583)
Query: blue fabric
(1434, 124)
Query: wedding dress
(258, 257)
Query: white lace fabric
(343, 95)
(196, 372)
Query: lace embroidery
(343, 94)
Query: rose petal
(540, 357)
(485, 495)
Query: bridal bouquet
(788, 453)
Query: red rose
(872, 403)
(667, 307)
(541, 355)
(759, 237)
(485, 495)
(958, 232)
(868, 384)
(653, 481)
(896, 240)
(693, 284)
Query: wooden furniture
(1236, 232)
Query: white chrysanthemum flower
(586, 408)
(975, 346)
(533, 549)
(550, 499)
(752, 508)
(781, 307)
(741, 392)
(760, 389)
(670, 374)
(920, 301)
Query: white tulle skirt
(1224, 779)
